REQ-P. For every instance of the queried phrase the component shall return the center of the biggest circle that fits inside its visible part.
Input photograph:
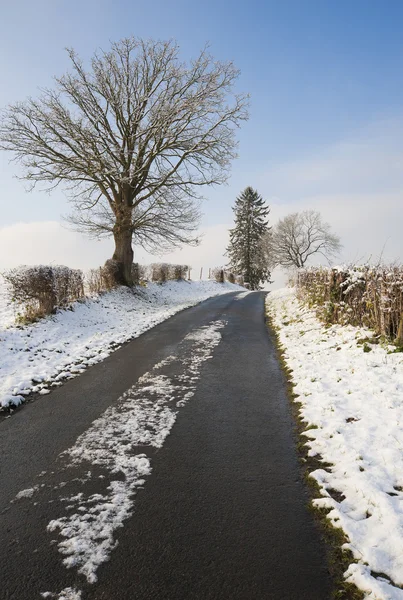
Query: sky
(326, 117)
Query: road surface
(221, 512)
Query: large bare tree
(297, 237)
(133, 140)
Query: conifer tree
(245, 251)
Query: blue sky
(326, 86)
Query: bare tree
(297, 237)
(132, 141)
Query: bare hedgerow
(98, 281)
(357, 295)
(104, 278)
(159, 272)
(69, 285)
(230, 277)
(136, 273)
(177, 272)
(93, 281)
(218, 274)
(239, 279)
(39, 290)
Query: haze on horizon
(325, 131)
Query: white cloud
(368, 224)
(47, 242)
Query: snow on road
(66, 594)
(352, 403)
(36, 357)
(143, 416)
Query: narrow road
(214, 510)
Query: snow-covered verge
(352, 404)
(36, 357)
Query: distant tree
(133, 140)
(245, 250)
(297, 237)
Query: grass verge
(338, 559)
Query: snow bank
(355, 399)
(44, 354)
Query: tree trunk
(123, 254)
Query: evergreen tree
(245, 251)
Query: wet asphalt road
(224, 513)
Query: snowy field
(36, 357)
(352, 403)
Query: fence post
(201, 272)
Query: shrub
(102, 279)
(42, 289)
(93, 281)
(69, 285)
(161, 272)
(136, 273)
(178, 272)
(239, 280)
(230, 277)
(218, 274)
(357, 295)
(112, 274)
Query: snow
(68, 593)
(40, 356)
(352, 404)
(143, 416)
(27, 493)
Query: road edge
(338, 559)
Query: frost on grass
(143, 417)
(44, 354)
(355, 401)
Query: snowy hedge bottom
(354, 400)
(40, 356)
(359, 295)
